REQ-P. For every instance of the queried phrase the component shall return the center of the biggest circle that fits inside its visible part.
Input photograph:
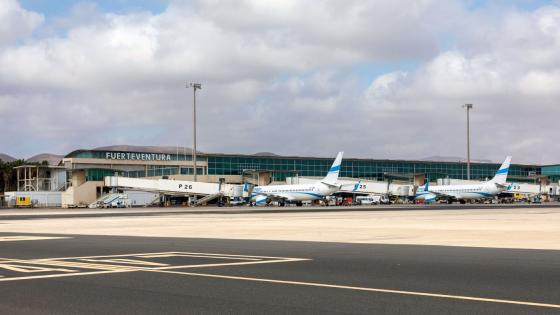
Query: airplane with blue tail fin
(462, 193)
(300, 192)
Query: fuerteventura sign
(137, 156)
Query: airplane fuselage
(301, 192)
(461, 192)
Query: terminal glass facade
(98, 174)
(552, 171)
(282, 167)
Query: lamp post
(195, 86)
(468, 107)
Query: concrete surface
(529, 228)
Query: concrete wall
(39, 198)
(67, 197)
(86, 193)
(140, 198)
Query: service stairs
(107, 200)
(208, 198)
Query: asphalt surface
(184, 276)
(58, 213)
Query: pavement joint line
(380, 290)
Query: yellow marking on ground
(29, 238)
(334, 286)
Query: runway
(78, 274)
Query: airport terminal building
(85, 170)
(94, 165)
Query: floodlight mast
(195, 86)
(468, 107)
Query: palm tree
(8, 174)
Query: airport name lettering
(137, 156)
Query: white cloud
(277, 72)
(16, 23)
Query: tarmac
(143, 275)
(501, 260)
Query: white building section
(170, 186)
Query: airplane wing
(349, 188)
(275, 196)
(332, 185)
(445, 195)
(515, 189)
(503, 187)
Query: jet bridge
(174, 187)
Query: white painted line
(147, 255)
(228, 264)
(31, 269)
(29, 238)
(83, 265)
(107, 269)
(60, 275)
(224, 255)
(127, 261)
(197, 256)
(334, 286)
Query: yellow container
(23, 201)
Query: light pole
(468, 107)
(195, 86)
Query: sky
(376, 79)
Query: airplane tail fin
(332, 175)
(357, 186)
(425, 187)
(502, 172)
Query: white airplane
(487, 189)
(301, 192)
